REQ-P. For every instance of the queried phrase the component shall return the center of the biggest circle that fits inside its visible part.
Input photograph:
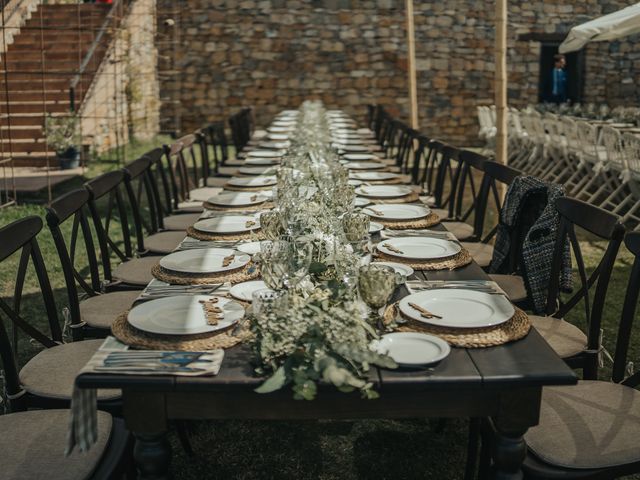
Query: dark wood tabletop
(503, 383)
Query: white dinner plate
(400, 268)
(204, 260)
(375, 227)
(254, 170)
(275, 145)
(353, 182)
(373, 176)
(237, 199)
(228, 224)
(265, 153)
(278, 137)
(261, 161)
(458, 308)
(419, 248)
(244, 291)
(383, 191)
(182, 315)
(361, 202)
(411, 349)
(354, 148)
(251, 248)
(358, 157)
(261, 181)
(279, 129)
(397, 212)
(284, 123)
(365, 165)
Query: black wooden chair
(496, 176)
(45, 381)
(591, 430)
(101, 301)
(139, 187)
(106, 189)
(579, 349)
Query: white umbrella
(610, 27)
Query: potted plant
(63, 137)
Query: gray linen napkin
(83, 423)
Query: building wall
(272, 54)
(123, 100)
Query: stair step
(35, 55)
(30, 147)
(34, 161)
(33, 96)
(22, 133)
(16, 108)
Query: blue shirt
(559, 83)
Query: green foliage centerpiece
(318, 331)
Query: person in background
(559, 80)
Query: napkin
(159, 289)
(83, 421)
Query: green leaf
(317, 267)
(274, 382)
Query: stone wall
(123, 100)
(272, 54)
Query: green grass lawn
(319, 450)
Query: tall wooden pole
(411, 65)
(501, 81)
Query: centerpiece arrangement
(314, 325)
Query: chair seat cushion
(461, 230)
(441, 212)
(136, 271)
(481, 252)
(100, 311)
(32, 446)
(566, 339)
(218, 182)
(190, 206)
(203, 194)
(589, 425)
(227, 171)
(164, 242)
(180, 222)
(52, 372)
(513, 286)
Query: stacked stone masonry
(273, 54)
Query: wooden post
(501, 81)
(411, 65)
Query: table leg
(518, 410)
(152, 454)
(145, 415)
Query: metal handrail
(89, 55)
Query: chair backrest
(106, 200)
(612, 142)
(74, 207)
(218, 147)
(468, 185)
(632, 241)
(603, 225)
(21, 236)
(588, 141)
(140, 194)
(160, 183)
(496, 176)
(631, 146)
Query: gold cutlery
(392, 248)
(423, 311)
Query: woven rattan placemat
(249, 272)
(135, 338)
(248, 208)
(458, 260)
(199, 235)
(426, 222)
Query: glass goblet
(270, 224)
(355, 225)
(376, 285)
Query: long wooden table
(504, 383)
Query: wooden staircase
(37, 70)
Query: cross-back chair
(45, 381)
(93, 298)
(132, 273)
(590, 430)
(580, 349)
